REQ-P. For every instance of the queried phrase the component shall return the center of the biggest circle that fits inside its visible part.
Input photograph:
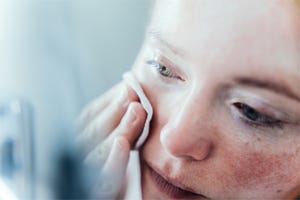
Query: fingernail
(131, 115)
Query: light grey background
(60, 54)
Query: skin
(220, 53)
(108, 127)
(194, 138)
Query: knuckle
(122, 144)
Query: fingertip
(139, 110)
(130, 92)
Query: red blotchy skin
(240, 167)
(251, 169)
(244, 165)
(260, 170)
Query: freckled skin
(242, 168)
(253, 168)
(193, 136)
(243, 171)
(257, 170)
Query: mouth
(171, 188)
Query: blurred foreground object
(16, 150)
(70, 178)
(67, 178)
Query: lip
(170, 187)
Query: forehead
(255, 32)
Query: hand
(109, 127)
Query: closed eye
(255, 118)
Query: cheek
(251, 169)
(262, 171)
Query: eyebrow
(153, 34)
(270, 85)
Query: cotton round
(131, 80)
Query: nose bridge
(186, 134)
(193, 110)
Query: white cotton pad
(131, 80)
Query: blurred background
(56, 56)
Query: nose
(187, 133)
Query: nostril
(202, 149)
(185, 145)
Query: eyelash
(163, 70)
(256, 119)
(250, 116)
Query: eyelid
(164, 60)
(260, 120)
(262, 108)
(261, 104)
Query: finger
(96, 106)
(132, 124)
(114, 170)
(107, 121)
(130, 128)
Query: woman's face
(224, 82)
